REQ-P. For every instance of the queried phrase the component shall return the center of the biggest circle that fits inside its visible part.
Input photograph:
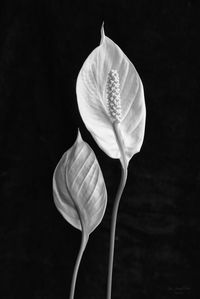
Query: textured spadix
(94, 94)
(78, 187)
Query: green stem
(84, 241)
(124, 165)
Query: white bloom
(110, 90)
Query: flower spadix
(78, 187)
(109, 93)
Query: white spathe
(92, 99)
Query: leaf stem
(124, 165)
(84, 241)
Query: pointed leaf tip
(79, 137)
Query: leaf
(78, 187)
(94, 99)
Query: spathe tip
(102, 33)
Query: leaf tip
(79, 137)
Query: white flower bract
(109, 90)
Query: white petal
(92, 100)
(133, 125)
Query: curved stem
(124, 165)
(84, 241)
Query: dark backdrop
(43, 45)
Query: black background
(43, 45)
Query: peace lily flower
(111, 101)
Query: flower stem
(84, 241)
(116, 206)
